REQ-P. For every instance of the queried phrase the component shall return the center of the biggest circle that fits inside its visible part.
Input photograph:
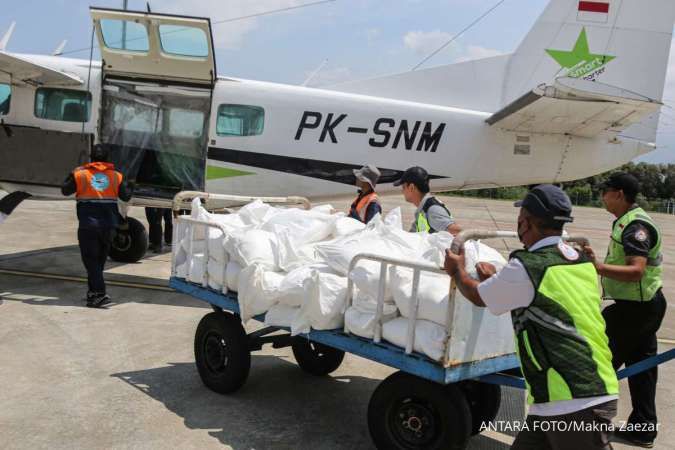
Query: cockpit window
(124, 35)
(5, 98)
(66, 105)
(183, 41)
(240, 120)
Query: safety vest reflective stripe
(646, 288)
(560, 337)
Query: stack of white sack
(292, 265)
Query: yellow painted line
(51, 276)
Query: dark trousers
(155, 216)
(631, 328)
(557, 432)
(94, 248)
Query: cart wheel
(484, 400)
(221, 352)
(315, 358)
(408, 412)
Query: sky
(358, 38)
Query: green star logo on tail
(580, 62)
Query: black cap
(415, 175)
(548, 202)
(99, 153)
(622, 181)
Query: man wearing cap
(431, 214)
(551, 291)
(631, 276)
(366, 206)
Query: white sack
(290, 256)
(256, 213)
(199, 213)
(303, 227)
(253, 247)
(324, 305)
(429, 337)
(196, 268)
(217, 275)
(292, 288)
(345, 226)
(232, 276)
(281, 315)
(433, 292)
(323, 209)
(216, 246)
(258, 290)
(360, 317)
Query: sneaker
(99, 301)
(634, 439)
(89, 298)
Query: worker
(431, 214)
(631, 276)
(552, 293)
(367, 205)
(155, 216)
(97, 187)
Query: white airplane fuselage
(310, 135)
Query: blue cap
(548, 202)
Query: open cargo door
(158, 77)
(155, 46)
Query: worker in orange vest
(366, 206)
(97, 187)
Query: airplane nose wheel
(129, 241)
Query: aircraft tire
(130, 242)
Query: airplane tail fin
(621, 43)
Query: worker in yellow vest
(631, 276)
(551, 291)
(431, 215)
(367, 205)
(97, 187)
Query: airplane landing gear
(130, 241)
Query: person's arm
(455, 267)
(439, 219)
(454, 229)
(636, 240)
(373, 209)
(125, 191)
(69, 187)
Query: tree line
(657, 182)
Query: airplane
(580, 95)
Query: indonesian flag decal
(595, 11)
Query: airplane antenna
(58, 50)
(452, 39)
(7, 36)
(147, 4)
(315, 73)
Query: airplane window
(124, 35)
(62, 104)
(240, 120)
(5, 97)
(137, 117)
(186, 123)
(183, 41)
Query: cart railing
(418, 268)
(183, 200)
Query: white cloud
(228, 35)
(472, 52)
(425, 42)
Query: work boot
(634, 439)
(99, 301)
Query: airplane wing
(576, 107)
(20, 69)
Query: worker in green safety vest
(431, 215)
(552, 293)
(631, 276)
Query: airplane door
(158, 77)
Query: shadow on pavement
(280, 407)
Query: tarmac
(124, 377)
